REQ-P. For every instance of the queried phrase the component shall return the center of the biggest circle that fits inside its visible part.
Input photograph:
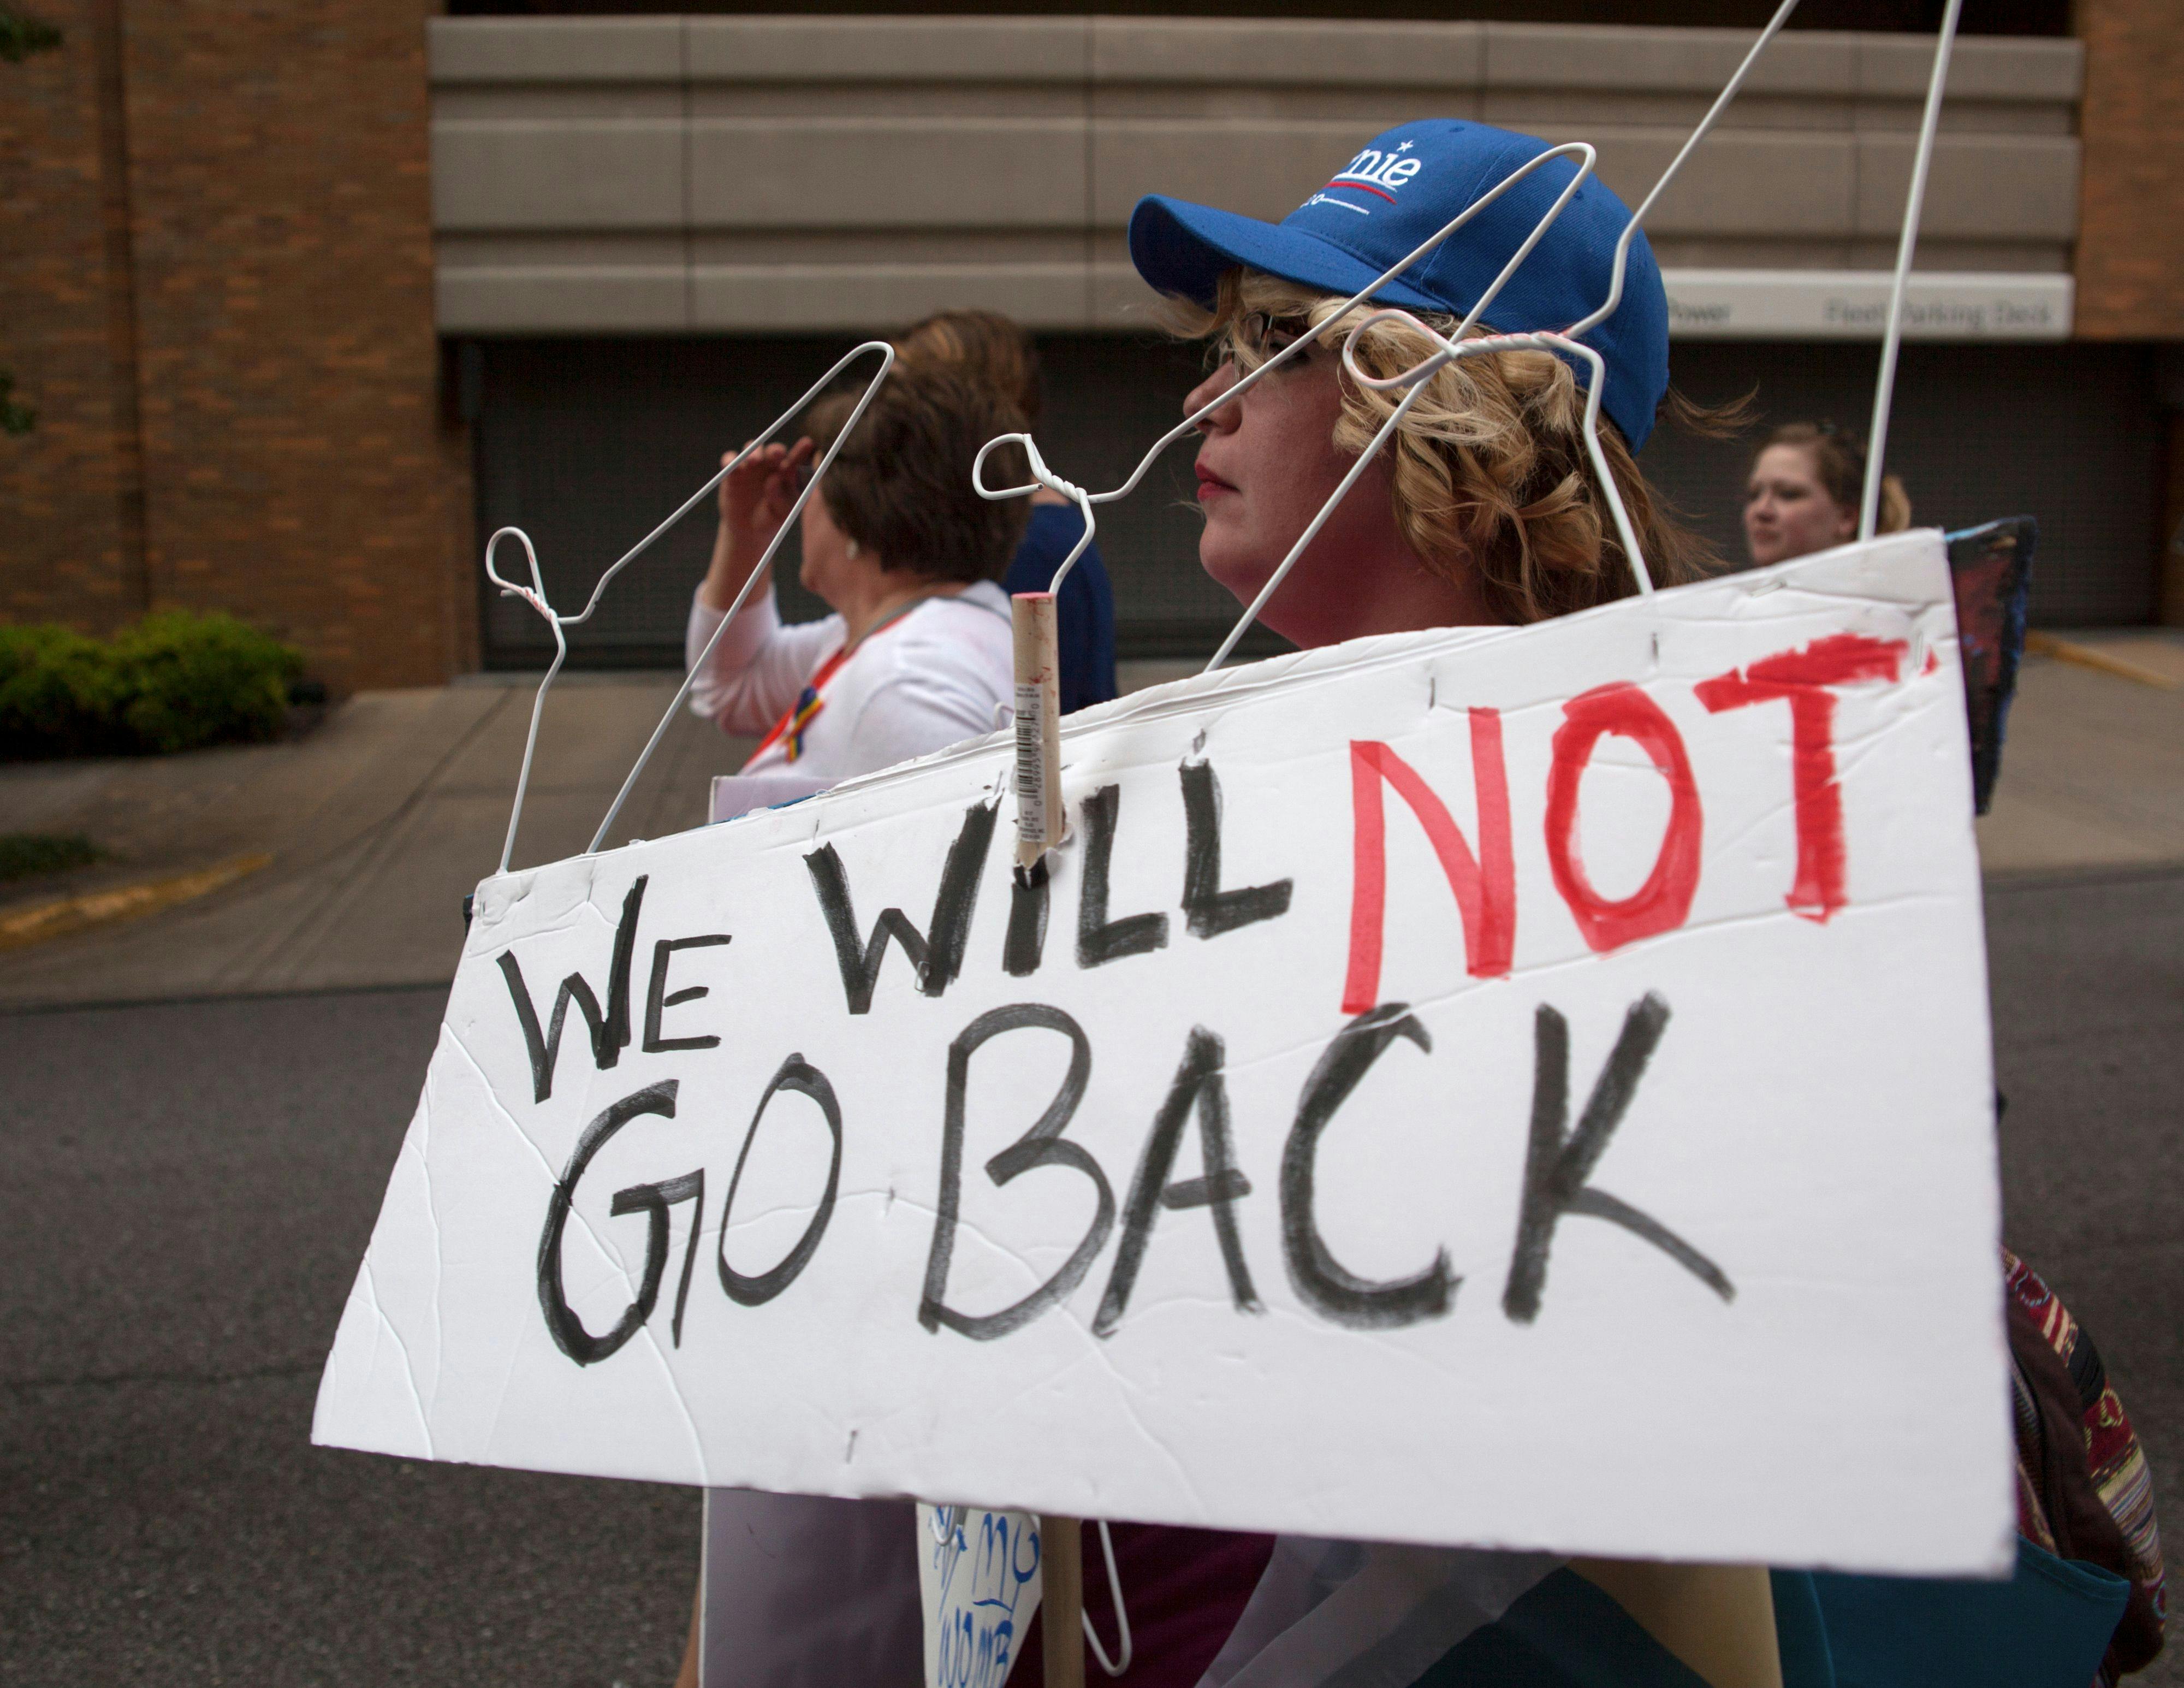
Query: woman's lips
(1209, 484)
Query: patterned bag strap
(2086, 1474)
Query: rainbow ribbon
(807, 705)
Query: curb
(2086, 656)
(42, 920)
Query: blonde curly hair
(1491, 467)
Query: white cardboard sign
(1508, 1087)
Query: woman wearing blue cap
(1482, 509)
(1483, 506)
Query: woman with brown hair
(1801, 494)
(995, 349)
(916, 654)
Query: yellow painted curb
(42, 920)
(2085, 656)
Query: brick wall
(2131, 243)
(296, 470)
(62, 550)
(280, 181)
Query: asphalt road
(190, 1187)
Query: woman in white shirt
(916, 655)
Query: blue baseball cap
(1384, 204)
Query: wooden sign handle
(1062, 1599)
(1040, 820)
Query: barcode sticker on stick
(1030, 766)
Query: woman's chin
(1296, 612)
(1242, 578)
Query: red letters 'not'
(1801, 679)
(1484, 886)
(1661, 904)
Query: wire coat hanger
(535, 593)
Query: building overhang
(789, 175)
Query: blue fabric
(1566, 1633)
(2046, 1627)
(1085, 615)
(1398, 192)
(1801, 1632)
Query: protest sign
(1521, 1087)
(977, 1586)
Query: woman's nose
(1206, 392)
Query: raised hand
(755, 501)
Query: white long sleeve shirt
(927, 680)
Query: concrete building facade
(306, 307)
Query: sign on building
(1852, 304)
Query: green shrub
(24, 856)
(194, 680)
(58, 694)
(173, 682)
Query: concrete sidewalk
(2092, 765)
(378, 824)
(380, 821)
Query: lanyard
(810, 700)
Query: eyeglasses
(1259, 335)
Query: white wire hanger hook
(1041, 477)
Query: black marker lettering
(1043, 1145)
(958, 895)
(1321, 1281)
(861, 967)
(609, 1031)
(1198, 1083)
(1100, 939)
(1557, 1160)
(1027, 938)
(545, 1050)
(938, 960)
(654, 1199)
(1209, 910)
(756, 1289)
(657, 1001)
(568, 1331)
